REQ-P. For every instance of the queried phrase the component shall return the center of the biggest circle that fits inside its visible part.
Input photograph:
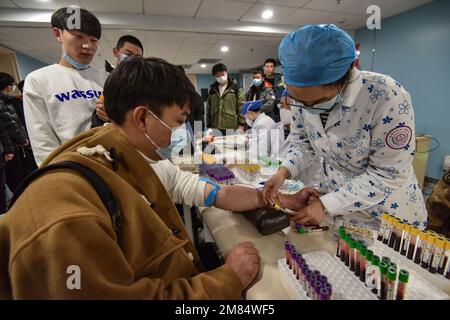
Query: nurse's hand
(299, 200)
(271, 186)
(314, 213)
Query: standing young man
(262, 90)
(276, 80)
(127, 46)
(224, 102)
(59, 99)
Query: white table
(228, 229)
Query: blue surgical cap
(251, 106)
(316, 55)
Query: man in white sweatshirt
(59, 100)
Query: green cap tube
(392, 274)
(363, 250)
(386, 259)
(375, 260)
(403, 276)
(383, 267)
(369, 255)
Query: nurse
(261, 124)
(359, 124)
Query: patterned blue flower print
(404, 107)
(387, 120)
(377, 95)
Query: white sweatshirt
(58, 104)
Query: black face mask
(108, 67)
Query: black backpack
(103, 191)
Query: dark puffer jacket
(11, 121)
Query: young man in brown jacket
(59, 228)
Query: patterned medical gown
(366, 150)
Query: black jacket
(197, 112)
(11, 121)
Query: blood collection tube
(393, 234)
(324, 294)
(403, 278)
(307, 279)
(375, 273)
(383, 226)
(446, 271)
(405, 240)
(299, 261)
(420, 246)
(292, 255)
(439, 247)
(428, 251)
(347, 250)
(369, 256)
(312, 281)
(445, 257)
(352, 254)
(303, 276)
(386, 260)
(316, 273)
(412, 242)
(323, 278)
(400, 228)
(340, 241)
(287, 248)
(392, 276)
(389, 229)
(295, 263)
(392, 265)
(383, 281)
(317, 286)
(362, 263)
(328, 287)
(359, 244)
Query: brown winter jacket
(59, 221)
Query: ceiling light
(267, 14)
(203, 66)
(224, 49)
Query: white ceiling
(184, 31)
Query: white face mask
(122, 57)
(249, 122)
(178, 140)
(222, 79)
(286, 116)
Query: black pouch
(268, 220)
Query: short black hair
(89, 23)
(151, 82)
(258, 71)
(20, 85)
(6, 80)
(181, 69)
(130, 39)
(220, 67)
(271, 60)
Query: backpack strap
(103, 191)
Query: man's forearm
(239, 198)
